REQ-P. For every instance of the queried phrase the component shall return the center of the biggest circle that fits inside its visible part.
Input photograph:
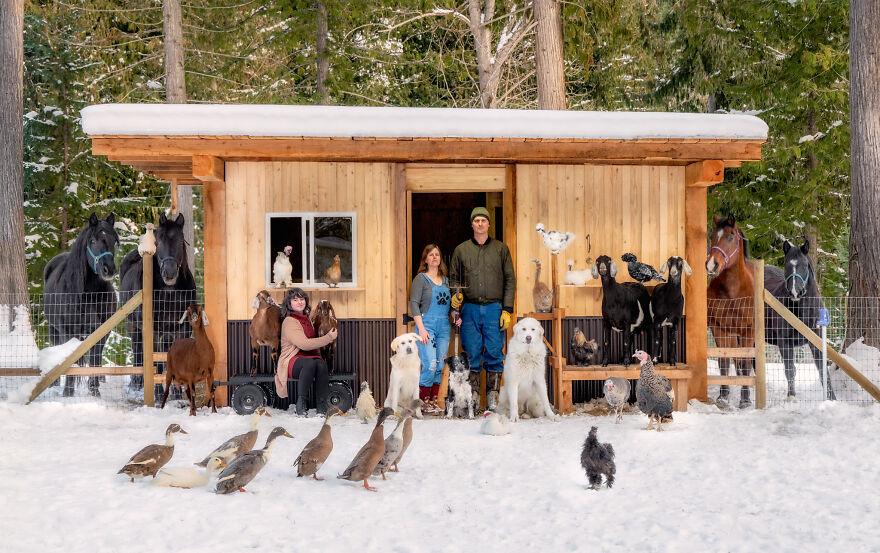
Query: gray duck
(245, 467)
(150, 459)
(236, 445)
(363, 464)
(407, 432)
(316, 451)
(393, 445)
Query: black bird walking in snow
(598, 459)
(642, 272)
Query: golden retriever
(405, 369)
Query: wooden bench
(566, 374)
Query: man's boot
(493, 383)
(474, 380)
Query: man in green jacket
(485, 268)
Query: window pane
(333, 236)
(286, 231)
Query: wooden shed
(375, 184)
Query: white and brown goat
(191, 360)
(265, 329)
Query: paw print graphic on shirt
(443, 298)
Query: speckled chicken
(641, 272)
(598, 459)
(541, 293)
(617, 392)
(554, 240)
(582, 351)
(653, 392)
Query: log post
(760, 372)
(147, 330)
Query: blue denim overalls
(436, 322)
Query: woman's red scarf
(309, 331)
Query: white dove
(554, 240)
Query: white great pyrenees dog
(405, 369)
(525, 366)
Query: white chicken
(554, 240)
(147, 242)
(495, 424)
(282, 270)
(366, 405)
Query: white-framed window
(316, 238)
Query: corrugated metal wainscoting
(363, 347)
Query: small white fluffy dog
(525, 385)
(405, 369)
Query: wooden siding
(638, 209)
(257, 188)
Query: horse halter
(95, 258)
(804, 281)
(727, 257)
(166, 258)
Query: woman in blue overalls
(429, 303)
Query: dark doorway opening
(444, 219)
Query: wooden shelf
(321, 288)
(598, 284)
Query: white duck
(282, 270)
(554, 240)
(188, 477)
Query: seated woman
(429, 304)
(299, 353)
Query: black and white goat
(667, 305)
(625, 308)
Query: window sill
(318, 288)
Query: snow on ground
(773, 480)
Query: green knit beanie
(480, 212)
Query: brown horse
(732, 320)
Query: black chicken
(642, 272)
(598, 459)
(583, 351)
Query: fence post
(760, 374)
(147, 330)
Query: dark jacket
(486, 270)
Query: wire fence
(796, 375)
(40, 335)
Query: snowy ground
(774, 480)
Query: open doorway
(443, 218)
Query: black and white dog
(460, 397)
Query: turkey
(617, 392)
(642, 272)
(653, 392)
(541, 293)
(582, 351)
(554, 240)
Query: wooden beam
(431, 150)
(87, 344)
(214, 201)
(147, 330)
(739, 353)
(455, 179)
(696, 316)
(704, 173)
(208, 168)
(401, 277)
(814, 339)
(760, 368)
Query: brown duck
(363, 464)
(150, 459)
(236, 445)
(316, 451)
(407, 432)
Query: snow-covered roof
(347, 121)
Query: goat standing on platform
(191, 360)
(625, 308)
(667, 307)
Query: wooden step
(738, 353)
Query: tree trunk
(864, 247)
(322, 61)
(175, 93)
(811, 230)
(548, 58)
(13, 273)
(483, 46)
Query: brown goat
(191, 360)
(265, 329)
(324, 320)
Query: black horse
(795, 287)
(77, 294)
(174, 289)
